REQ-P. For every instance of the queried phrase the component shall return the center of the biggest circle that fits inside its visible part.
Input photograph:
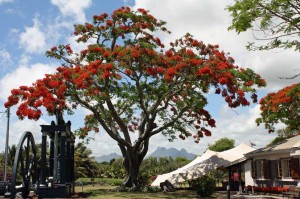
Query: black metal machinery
(53, 177)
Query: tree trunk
(131, 164)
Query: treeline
(151, 166)
(87, 167)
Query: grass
(109, 192)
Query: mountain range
(159, 152)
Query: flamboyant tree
(275, 24)
(283, 106)
(134, 87)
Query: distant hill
(159, 152)
(172, 152)
(107, 158)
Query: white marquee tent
(210, 160)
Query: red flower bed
(268, 189)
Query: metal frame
(27, 166)
(60, 181)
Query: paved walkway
(234, 194)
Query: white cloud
(242, 126)
(20, 126)
(5, 1)
(33, 39)
(238, 126)
(23, 75)
(74, 8)
(4, 55)
(275, 67)
(17, 128)
(208, 21)
(103, 144)
(5, 59)
(77, 47)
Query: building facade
(275, 165)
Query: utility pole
(6, 145)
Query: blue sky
(29, 28)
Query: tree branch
(170, 123)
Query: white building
(274, 166)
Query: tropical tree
(11, 155)
(85, 164)
(282, 135)
(282, 106)
(277, 21)
(134, 86)
(222, 144)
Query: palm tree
(85, 164)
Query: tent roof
(203, 164)
(161, 178)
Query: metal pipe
(6, 145)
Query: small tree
(84, 163)
(222, 144)
(204, 186)
(131, 84)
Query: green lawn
(109, 192)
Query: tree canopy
(282, 106)
(275, 23)
(134, 86)
(222, 144)
(278, 24)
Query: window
(279, 169)
(261, 169)
(288, 168)
(254, 169)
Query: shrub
(144, 180)
(205, 186)
(106, 181)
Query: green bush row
(108, 181)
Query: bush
(205, 186)
(107, 181)
(144, 180)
